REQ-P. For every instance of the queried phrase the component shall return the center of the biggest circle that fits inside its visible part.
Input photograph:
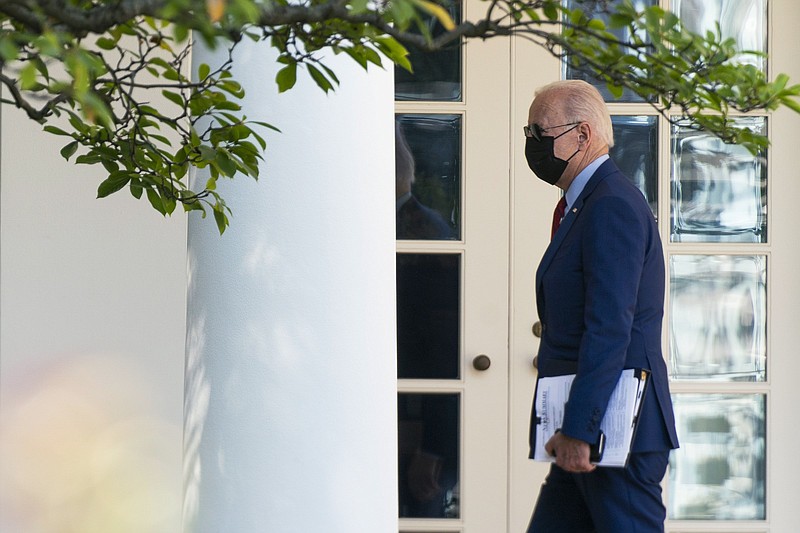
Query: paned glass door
(725, 217)
(715, 232)
(452, 285)
(468, 242)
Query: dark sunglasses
(537, 132)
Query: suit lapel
(570, 217)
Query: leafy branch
(113, 76)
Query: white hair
(582, 102)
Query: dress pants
(606, 500)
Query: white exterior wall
(92, 321)
(291, 380)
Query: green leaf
(110, 166)
(55, 131)
(113, 183)
(330, 74)
(8, 50)
(194, 205)
(615, 90)
(232, 87)
(359, 6)
(136, 189)
(69, 150)
(550, 10)
(597, 25)
(181, 33)
(618, 20)
(97, 110)
(27, 77)
(225, 164)
(203, 71)
(221, 219)
(207, 153)
(791, 103)
(106, 43)
(320, 79)
(174, 97)
(156, 201)
(286, 77)
(394, 51)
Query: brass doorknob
(481, 362)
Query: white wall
(92, 328)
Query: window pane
(719, 191)
(599, 9)
(428, 176)
(718, 317)
(428, 462)
(719, 471)
(428, 316)
(437, 75)
(745, 21)
(635, 151)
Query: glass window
(428, 176)
(745, 21)
(428, 316)
(719, 190)
(599, 9)
(428, 447)
(718, 317)
(719, 471)
(635, 152)
(437, 75)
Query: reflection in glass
(745, 21)
(719, 191)
(718, 317)
(428, 455)
(719, 471)
(428, 176)
(437, 75)
(599, 9)
(635, 152)
(428, 316)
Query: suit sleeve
(613, 250)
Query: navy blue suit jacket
(600, 299)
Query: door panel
(727, 233)
(452, 275)
(731, 252)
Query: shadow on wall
(83, 450)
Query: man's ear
(585, 133)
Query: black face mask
(542, 158)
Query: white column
(290, 405)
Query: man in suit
(600, 299)
(413, 220)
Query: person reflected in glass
(429, 456)
(600, 299)
(413, 219)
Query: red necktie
(558, 214)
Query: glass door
(451, 156)
(731, 250)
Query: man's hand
(571, 454)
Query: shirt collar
(577, 185)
